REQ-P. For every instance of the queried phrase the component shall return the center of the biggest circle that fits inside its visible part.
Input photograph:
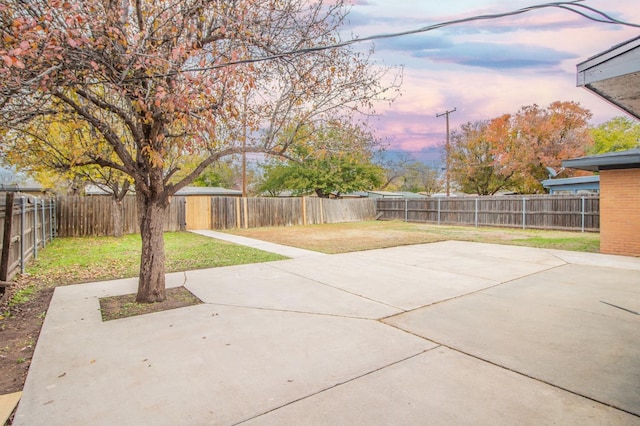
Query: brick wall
(620, 212)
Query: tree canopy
(617, 134)
(329, 161)
(512, 152)
(152, 81)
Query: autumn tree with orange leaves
(159, 81)
(512, 152)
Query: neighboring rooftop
(187, 190)
(629, 159)
(28, 186)
(397, 194)
(211, 190)
(573, 184)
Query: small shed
(619, 199)
(573, 185)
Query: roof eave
(614, 76)
(610, 161)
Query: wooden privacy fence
(560, 212)
(93, 216)
(234, 212)
(28, 223)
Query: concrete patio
(443, 333)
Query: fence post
(583, 213)
(182, 214)
(35, 228)
(438, 211)
(6, 238)
(476, 216)
(51, 215)
(524, 213)
(23, 207)
(44, 225)
(304, 210)
(245, 209)
(406, 209)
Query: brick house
(619, 199)
(614, 75)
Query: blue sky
(482, 69)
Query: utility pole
(447, 149)
(244, 148)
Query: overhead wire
(574, 6)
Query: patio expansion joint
(352, 379)
(340, 289)
(497, 284)
(495, 364)
(291, 311)
(558, 257)
(542, 381)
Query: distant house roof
(28, 186)
(615, 76)
(384, 194)
(187, 190)
(397, 194)
(573, 184)
(629, 159)
(209, 190)
(91, 189)
(406, 194)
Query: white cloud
(485, 69)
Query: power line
(574, 6)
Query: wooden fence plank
(84, 216)
(27, 233)
(93, 216)
(561, 212)
(6, 238)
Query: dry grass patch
(116, 307)
(358, 236)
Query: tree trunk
(118, 213)
(151, 214)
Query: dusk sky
(483, 69)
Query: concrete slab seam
(464, 274)
(470, 293)
(555, 255)
(442, 345)
(261, 308)
(339, 384)
(553, 306)
(341, 289)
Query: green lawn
(77, 260)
